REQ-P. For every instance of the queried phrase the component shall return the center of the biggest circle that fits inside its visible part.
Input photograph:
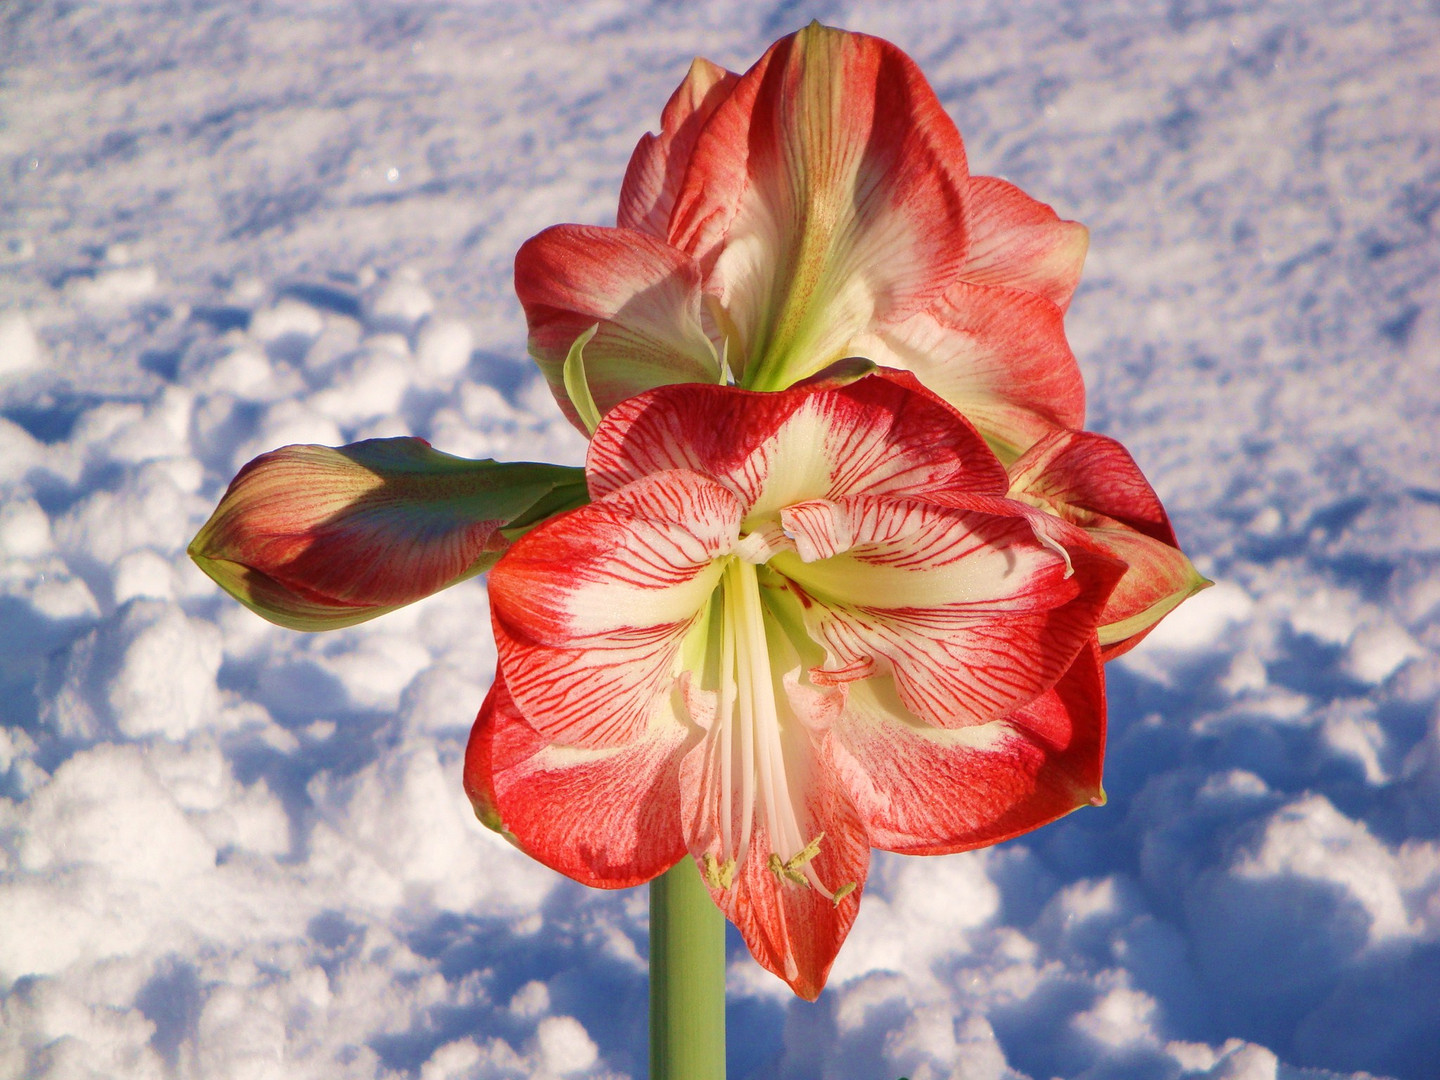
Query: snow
(228, 850)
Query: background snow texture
(228, 850)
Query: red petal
(644, 295)
(827, 190)
(659, 162)
(882, 434)
(607, 818)
(924, 791)
(1092, 481)
(1158, 577)
(973, 612)
(997, 354)
(792, 930)
(1020, 243)
(590, 609)
(1080, 475)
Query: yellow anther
(719, 875)
(805, 854)
(843, 891)
(787, 871)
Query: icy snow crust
(228, 850)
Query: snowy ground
(227, 850)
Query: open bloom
(817, 207)
(788, 628)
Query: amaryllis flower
(1093, 482)
(817, 207)
(789, 627)
(319, 537)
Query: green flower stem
(687, 978)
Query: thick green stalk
(687, 978)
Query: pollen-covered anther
(805, 854)
(785, 872)
(793, 868)
(842, 892)
(719, 875)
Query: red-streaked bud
(320, 537)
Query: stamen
(726, 717)
(729, 338)
(805, 854)
(757, 691)
(1056, 547)
(719, 875)
(732, 583)
(748, 697)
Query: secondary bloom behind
(817, 207)
(788, 628)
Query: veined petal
(998, 355)
(590, 610)
(1092, 481)
(643, 294)
(792, 930)
(607, 818)
(1020, 243)
(318, 537)
(922, 790)
(1080, 475)
(882, 434)
(1158, 577)
(973, 611)
(791, 879)
(659, 162)
(827, 191)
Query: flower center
(749, 743)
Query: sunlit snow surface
(227, 850)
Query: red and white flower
(828, 609)
(817, 207)
(788, 628)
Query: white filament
(748, 700)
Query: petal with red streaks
(827, 191)
(658, 164)
(998, 355)
(922, 790)
(882, 434)
(1093, 482)
(1020, 243)
(591, 610)
(643, 295)
(972, 611)
(792, 907)
(607, 818)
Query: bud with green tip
(319, 537)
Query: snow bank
(230, 850)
